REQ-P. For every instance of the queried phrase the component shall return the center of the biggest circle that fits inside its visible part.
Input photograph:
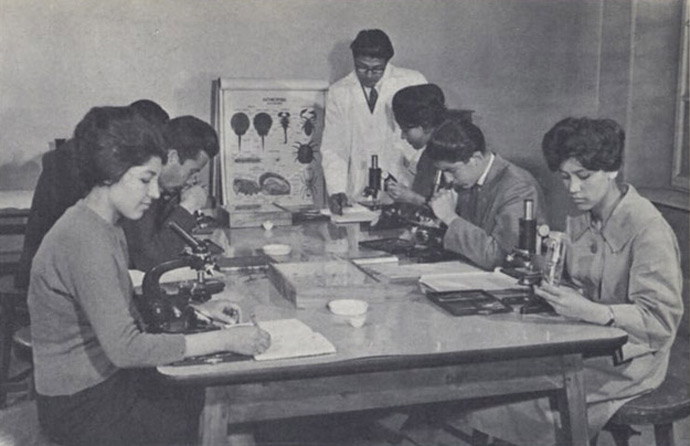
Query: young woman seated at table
(93, 364)
(622, 270)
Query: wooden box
(249, 216)
(313, 284)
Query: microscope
(173, 312)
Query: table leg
(572, 403)
(6, 332)
(213, 428)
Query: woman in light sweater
(93, 363)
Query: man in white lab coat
(360, 121)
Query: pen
(210, 318)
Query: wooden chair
(11, 300)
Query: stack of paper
(353, 214)
(416, 270)
(292, 338)
(484, 280)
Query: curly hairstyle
(372, 43)
(111, 140)
(597, 144)
(455, 140)
(419, 106)
(189, 135)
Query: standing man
(360, 122)
(484, 207)
(191, 143)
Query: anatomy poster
(270, 135)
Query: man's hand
(337, 202)
(403, 194)
(193, 198)
(443, 204)
(572, 304)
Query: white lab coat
(352, 133)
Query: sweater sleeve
(654, 290)
(101, 287)
(488, 249)
(150, 240)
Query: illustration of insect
(308, 116)
(305, 152)
(284, 123)
(308, 180)
(239, 123)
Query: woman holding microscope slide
(93, 363)
(622, 269)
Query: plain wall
(520, 64)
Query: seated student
(418, 110)
(483, 209)
(191, 143)
(59, 187)
(92, 362)
(623, 269)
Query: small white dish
(267, 225)
(348, 307)
(277, 250)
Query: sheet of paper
(176, 275)
(353, 214)
(417, 270)
(483, 280)
(292, 338)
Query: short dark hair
(151, 111)
(455, 140)
(597, 144)
(189, 135)
(111, 140)
(372, 43)
(419, 105)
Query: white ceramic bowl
(348, 307)
(277, 250)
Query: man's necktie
(373, 96)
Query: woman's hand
(403, 194)
(443, 204)
(247, 340)
(221, 310)
(572, 304)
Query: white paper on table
(175, 275)
(483, 280)
(292, 338)
(417, 270)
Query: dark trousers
(131, 408)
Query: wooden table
(408, 352)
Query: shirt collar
(482, 178)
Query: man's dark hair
(151, 111)
(419, 106)
(597, 144)
(455, 140)
(189, 135)
(372, 43)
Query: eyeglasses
(364, 69)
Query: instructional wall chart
(270, 135)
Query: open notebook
(292, 338)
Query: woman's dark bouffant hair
(597, 144)
(419, 106)
(189, 135)
(111, 140)
(455, 140)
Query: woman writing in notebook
(93, 363)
